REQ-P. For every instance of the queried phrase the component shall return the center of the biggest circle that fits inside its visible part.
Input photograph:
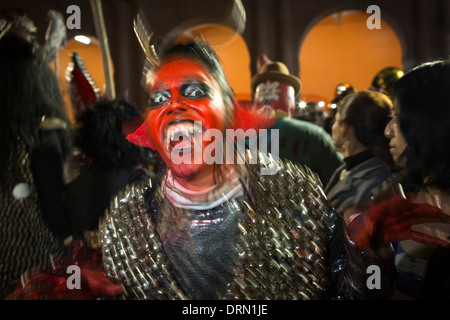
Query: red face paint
(183, 93)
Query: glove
(391, 221)
(94, 284)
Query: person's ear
(141, 137)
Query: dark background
(275, 27)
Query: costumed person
(220, 229)
(275, 93)
(84, 93)
(82, 88)
(111, 162)
(35, 143)
(55, 37)
(103, 161)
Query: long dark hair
(368, 112)
(29, 91)
(102, 138)
(422, 101)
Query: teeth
(176, 131)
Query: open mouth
(181, 136)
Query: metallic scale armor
(270, 243)
(26, 242)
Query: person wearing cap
(275, 92)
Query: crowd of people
(307, 222)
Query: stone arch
(352, 52)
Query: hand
(391, 220)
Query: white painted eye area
(195, 90)
(159, 98)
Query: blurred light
(333, 106)
(302, 104)
(342, 88)
(83, 39)
(321, 104)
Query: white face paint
(268, 91)
(274, 95)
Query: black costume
(31, 216)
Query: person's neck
(353, 148)
(201, 181)
(199, 192)
(356, 159)
(206, 179)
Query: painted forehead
(177, 71)
(275, 92)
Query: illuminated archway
(341, 48)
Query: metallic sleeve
(131, 251)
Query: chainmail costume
(25, 239)
(270, 243)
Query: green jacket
(307, 144)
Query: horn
(144, 34)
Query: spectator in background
(311, 111)
(275, 93)
(358, 133)
(420, 144)
(416, 214)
